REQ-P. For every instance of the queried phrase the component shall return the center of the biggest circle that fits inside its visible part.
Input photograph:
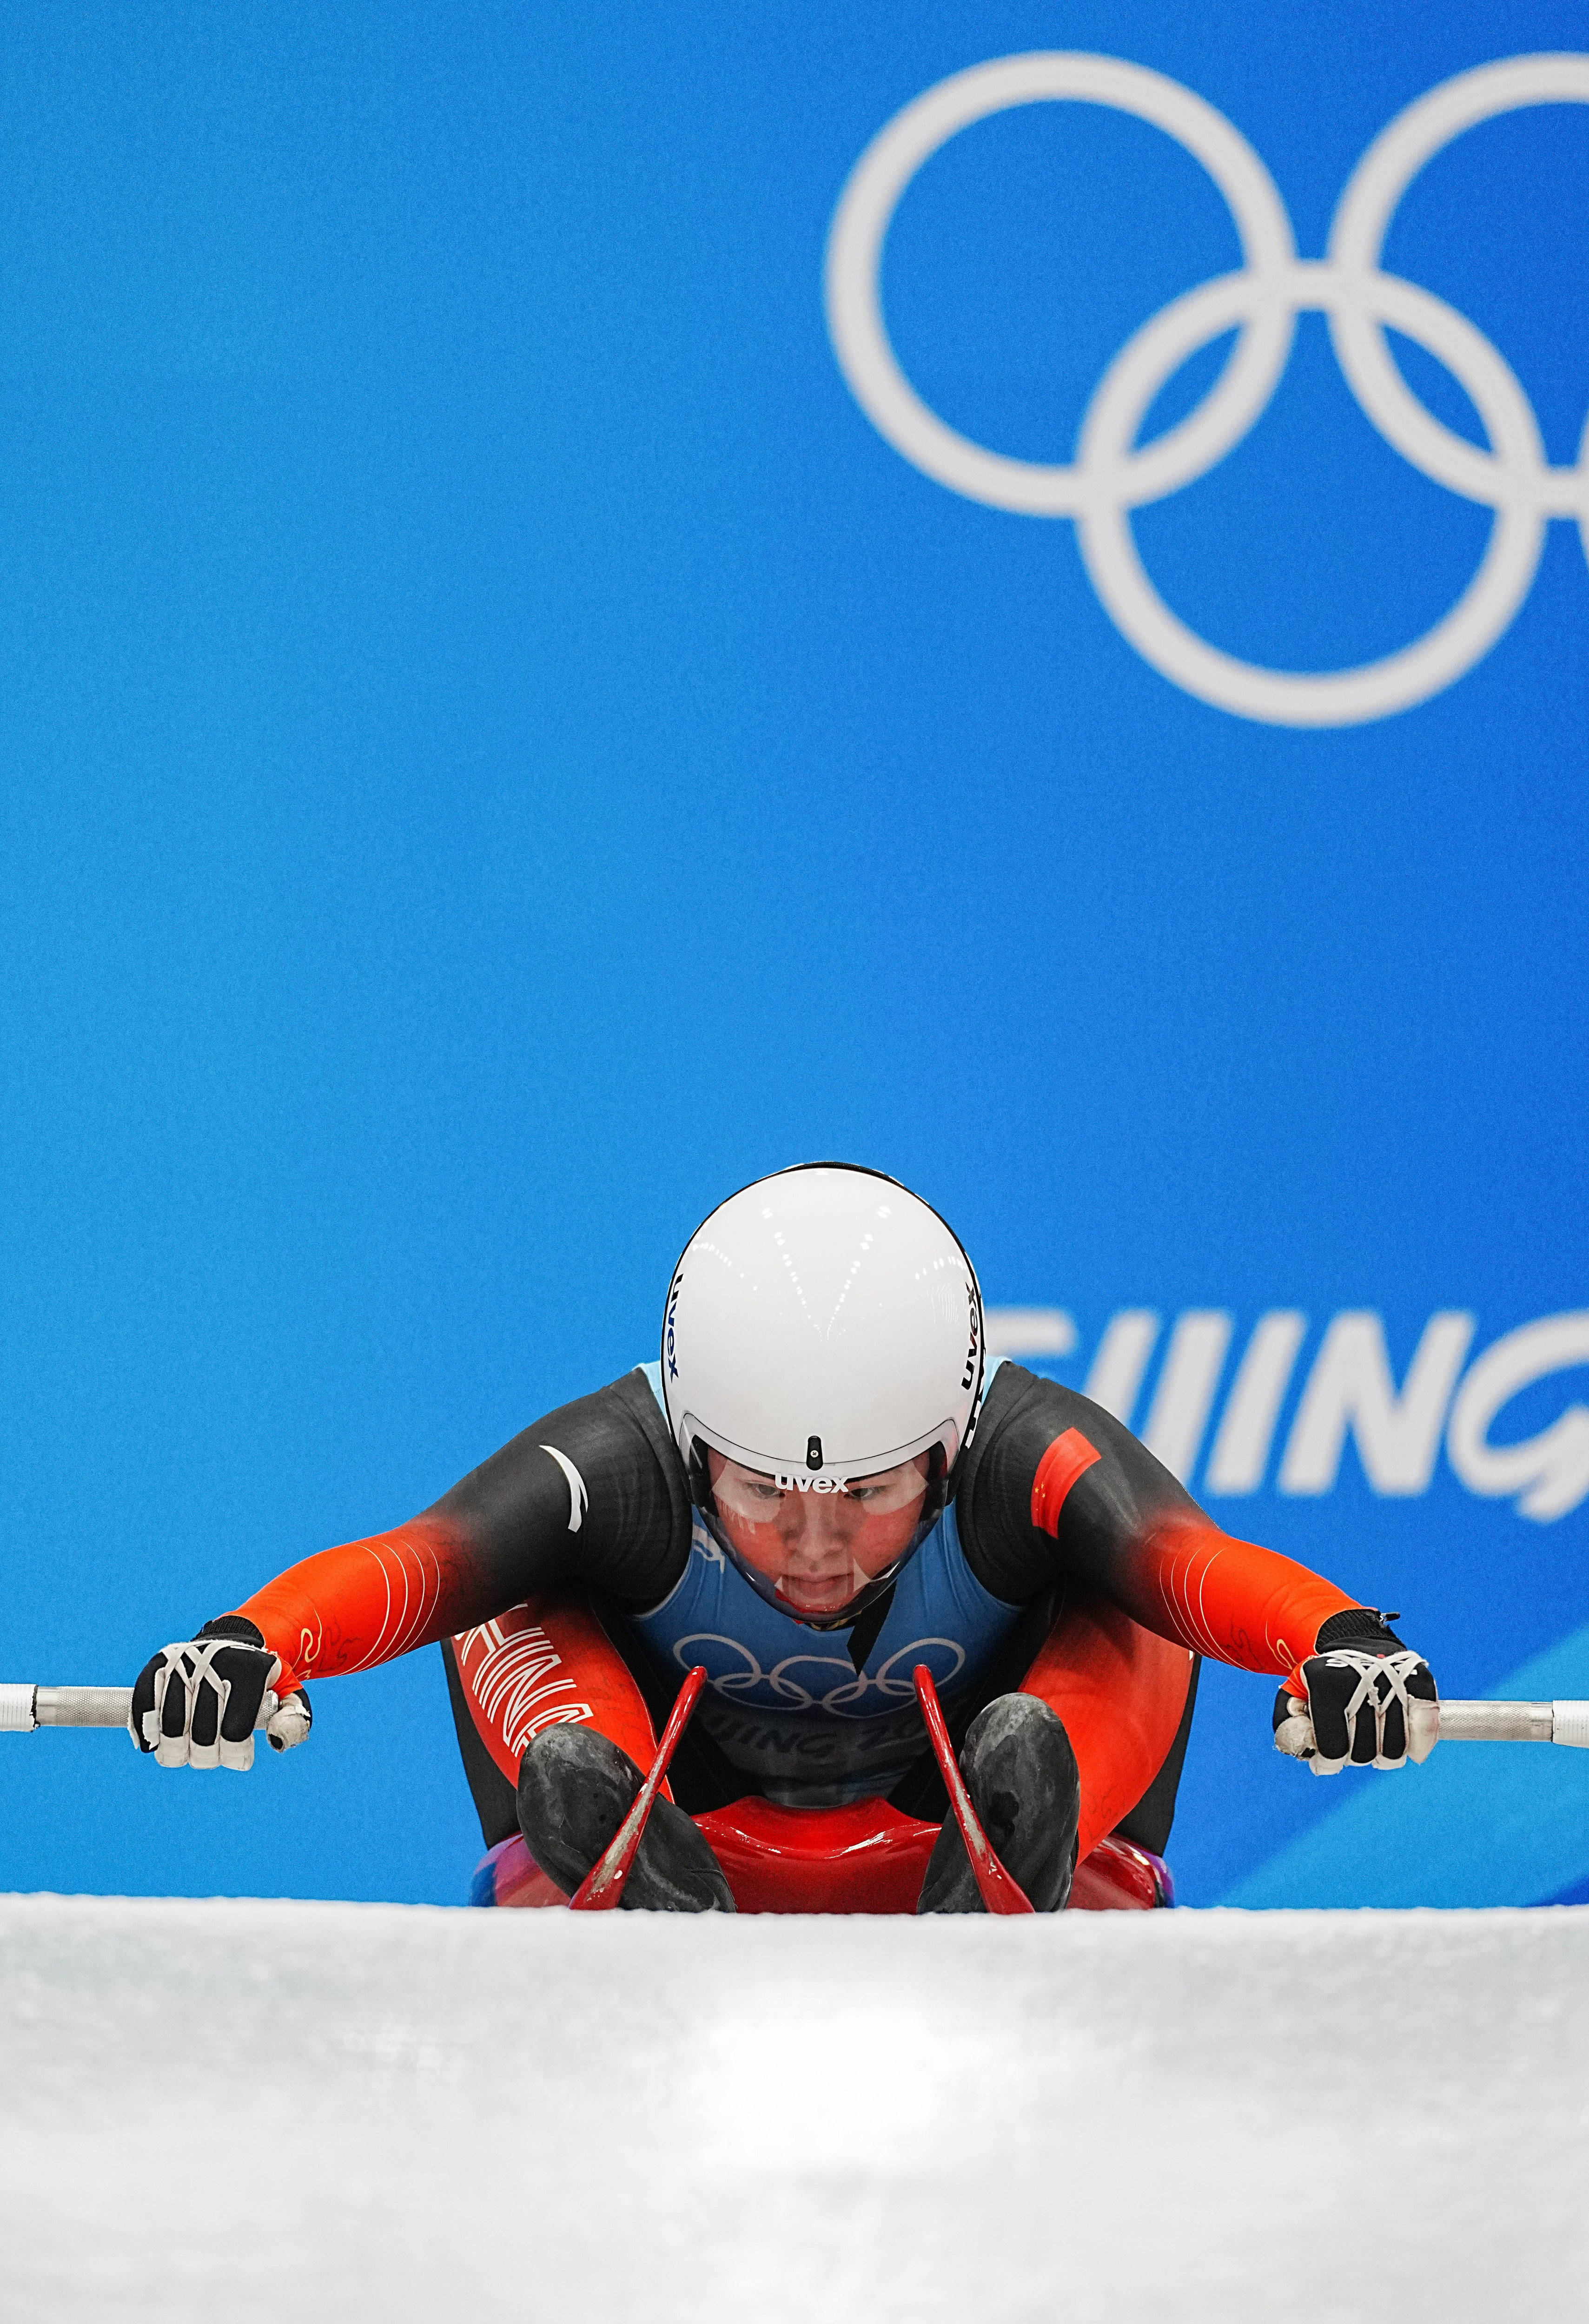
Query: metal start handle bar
(23, 1708)
(1516, 1722)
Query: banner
(599, 603)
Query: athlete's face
(818, 1549)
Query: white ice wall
(269, 2110)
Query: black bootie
(575, 1789)
(1021, 1775)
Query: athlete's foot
(1021, 1775)
(575, 1789)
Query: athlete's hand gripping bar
(23, 1708)
(1477, 1722)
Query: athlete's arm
(593, 1494)
(1055, 1488)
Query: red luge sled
(866, 1857)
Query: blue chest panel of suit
(785, 1702)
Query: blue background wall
(495, 752)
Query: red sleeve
(593, 1494)
(1227, 1598)
(349, 1608)
(1058, 1490)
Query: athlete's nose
(811, 1523)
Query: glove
(195, 1704)
(1359, 1696)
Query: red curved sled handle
(1000, 1893)
(602, 1885)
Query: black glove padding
(1361, 1698)
(195, 1704)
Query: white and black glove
(1361, 1698)
(195, 1704)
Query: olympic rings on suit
(1110, 475)
(855, 1694)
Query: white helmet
(822, 1326)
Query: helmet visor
(817, 1547)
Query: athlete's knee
(1020, 1768)
(1021, 1774)
(575, 1788)
(571, 1782)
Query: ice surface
(328, 2111)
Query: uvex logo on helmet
(970, 1303)
(667, 1348)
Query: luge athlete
(818, 1485)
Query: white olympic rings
(1110, 475)
(889, 1680)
